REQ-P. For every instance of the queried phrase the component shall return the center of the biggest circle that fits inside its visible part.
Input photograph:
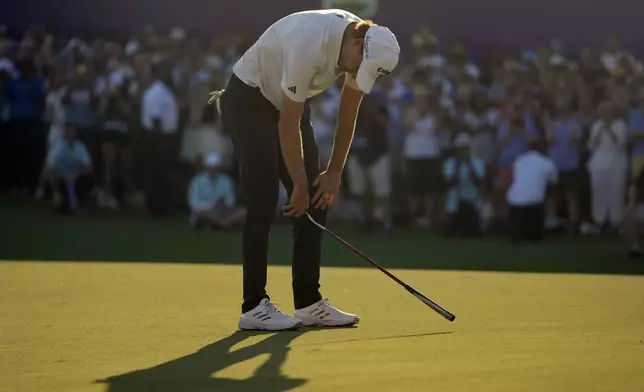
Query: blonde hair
(359, 29)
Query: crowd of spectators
(123, 122)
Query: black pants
(79, 191)
(27, 146)
(161, 154)
(465, 221)
(526, 222)
(251, 120)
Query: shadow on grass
(30, 232)
(197, 371)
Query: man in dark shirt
(369, 167)
(25, 94)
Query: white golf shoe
(266, 317)
(323, 314)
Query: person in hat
(265, 109)
(465, 177)
(212, 198)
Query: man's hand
(299, 203)
(328, 185)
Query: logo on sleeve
(293, 89)
(383, 71)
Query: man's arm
(291, 140)
(298, 72)
(350, 100)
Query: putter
(436, 307)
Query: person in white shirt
(264, 108)
(608, 166)
(533, 172)
(68, 170)
(422, 152)
(212, 198)
(160, 139)
(611, 58)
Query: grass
(127, 304)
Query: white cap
(380, 56)
(212, 160)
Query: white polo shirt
(532, 172)
(610, 153)
(159, 102)
(298, 55)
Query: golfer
(264, 109)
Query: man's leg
(599, 195)
(534, 222)
(256, 141)
(307, 245)
(84, 185)
(63, 207)
(617, 198)
(514, 223)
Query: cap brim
(364, 79)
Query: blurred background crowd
(122, 122)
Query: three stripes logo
(293, 89)
(262, 316)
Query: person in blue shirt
(25, 95)
(68, 169)
(212, 199)
(563, 134)
(464, 177)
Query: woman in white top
(607, 166)
(422, 153)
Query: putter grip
(435, 307)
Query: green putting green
(148, 327)
(566, 315)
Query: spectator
(460, 67)
(611, 57)
(429, 57)
(160, 122)
(55, 115)
(532, 171)
(26, 98)
(563, 133)
(607, 166)
(80, 103)
(464, 176)
(212, 199)
(68, 169)
(115, 110)
(482, 120)
(369, 166)
(513, 136)
(422, 152)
